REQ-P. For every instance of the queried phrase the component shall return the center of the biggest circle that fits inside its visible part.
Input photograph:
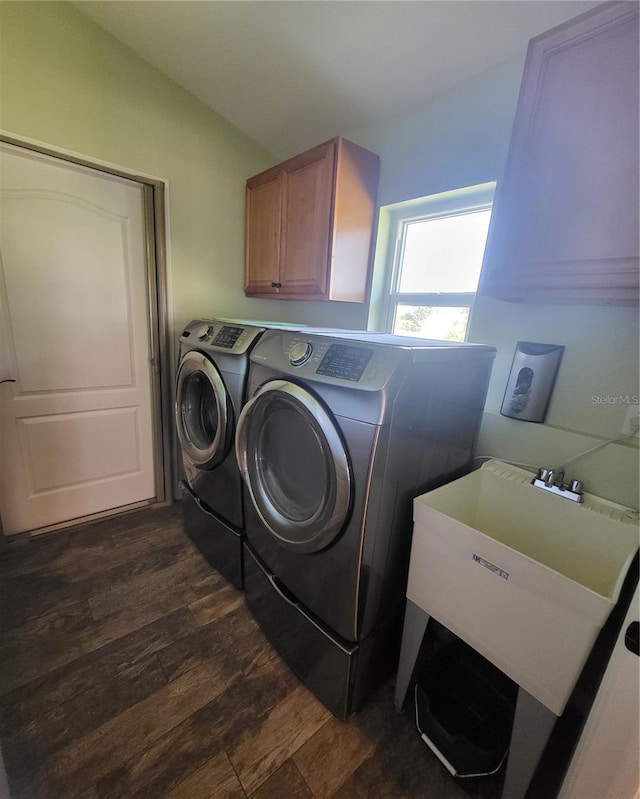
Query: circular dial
(202, 332)
(300, 353)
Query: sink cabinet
(565, 219)
(309, 225)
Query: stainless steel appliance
(339, 435)
(210, 391)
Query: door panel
(41, 269)
(606, 762)
(307, 222)
(105, 446)
(263, 212)
(77, 430)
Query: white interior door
(606, 763)
(76, 428)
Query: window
(437, 255)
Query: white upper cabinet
(565, 220)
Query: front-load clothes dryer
(338, 436)
(210, 390)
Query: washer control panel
(231, 337)
(227, 336)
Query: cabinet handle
(276, 285)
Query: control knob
(300, 353)
(202, 332)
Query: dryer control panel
(345, 361)
(329, 359)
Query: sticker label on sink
(491, 566)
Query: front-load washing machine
(338, 436)
(210, 391)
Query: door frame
(154, 191)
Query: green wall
(461, 139)
(69, 84)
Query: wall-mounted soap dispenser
(533, 373)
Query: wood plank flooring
(129, 668)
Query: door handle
(8, 380)
(632, 637)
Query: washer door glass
(202, 411)
(295, 466)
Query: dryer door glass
(295, 466)
(202, 411)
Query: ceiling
(292, 73)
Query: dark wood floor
(128, 668)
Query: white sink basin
(525, 577)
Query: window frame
(436, 206)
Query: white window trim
(449, 203)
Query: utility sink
(525, 577)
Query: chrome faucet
(553, 481)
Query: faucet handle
(553, 481)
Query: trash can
(464, 709)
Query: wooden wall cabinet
(565, 219)
(309, 222)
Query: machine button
(300, 353)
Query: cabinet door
(306, 222)
(263, 231)
(565, 224)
